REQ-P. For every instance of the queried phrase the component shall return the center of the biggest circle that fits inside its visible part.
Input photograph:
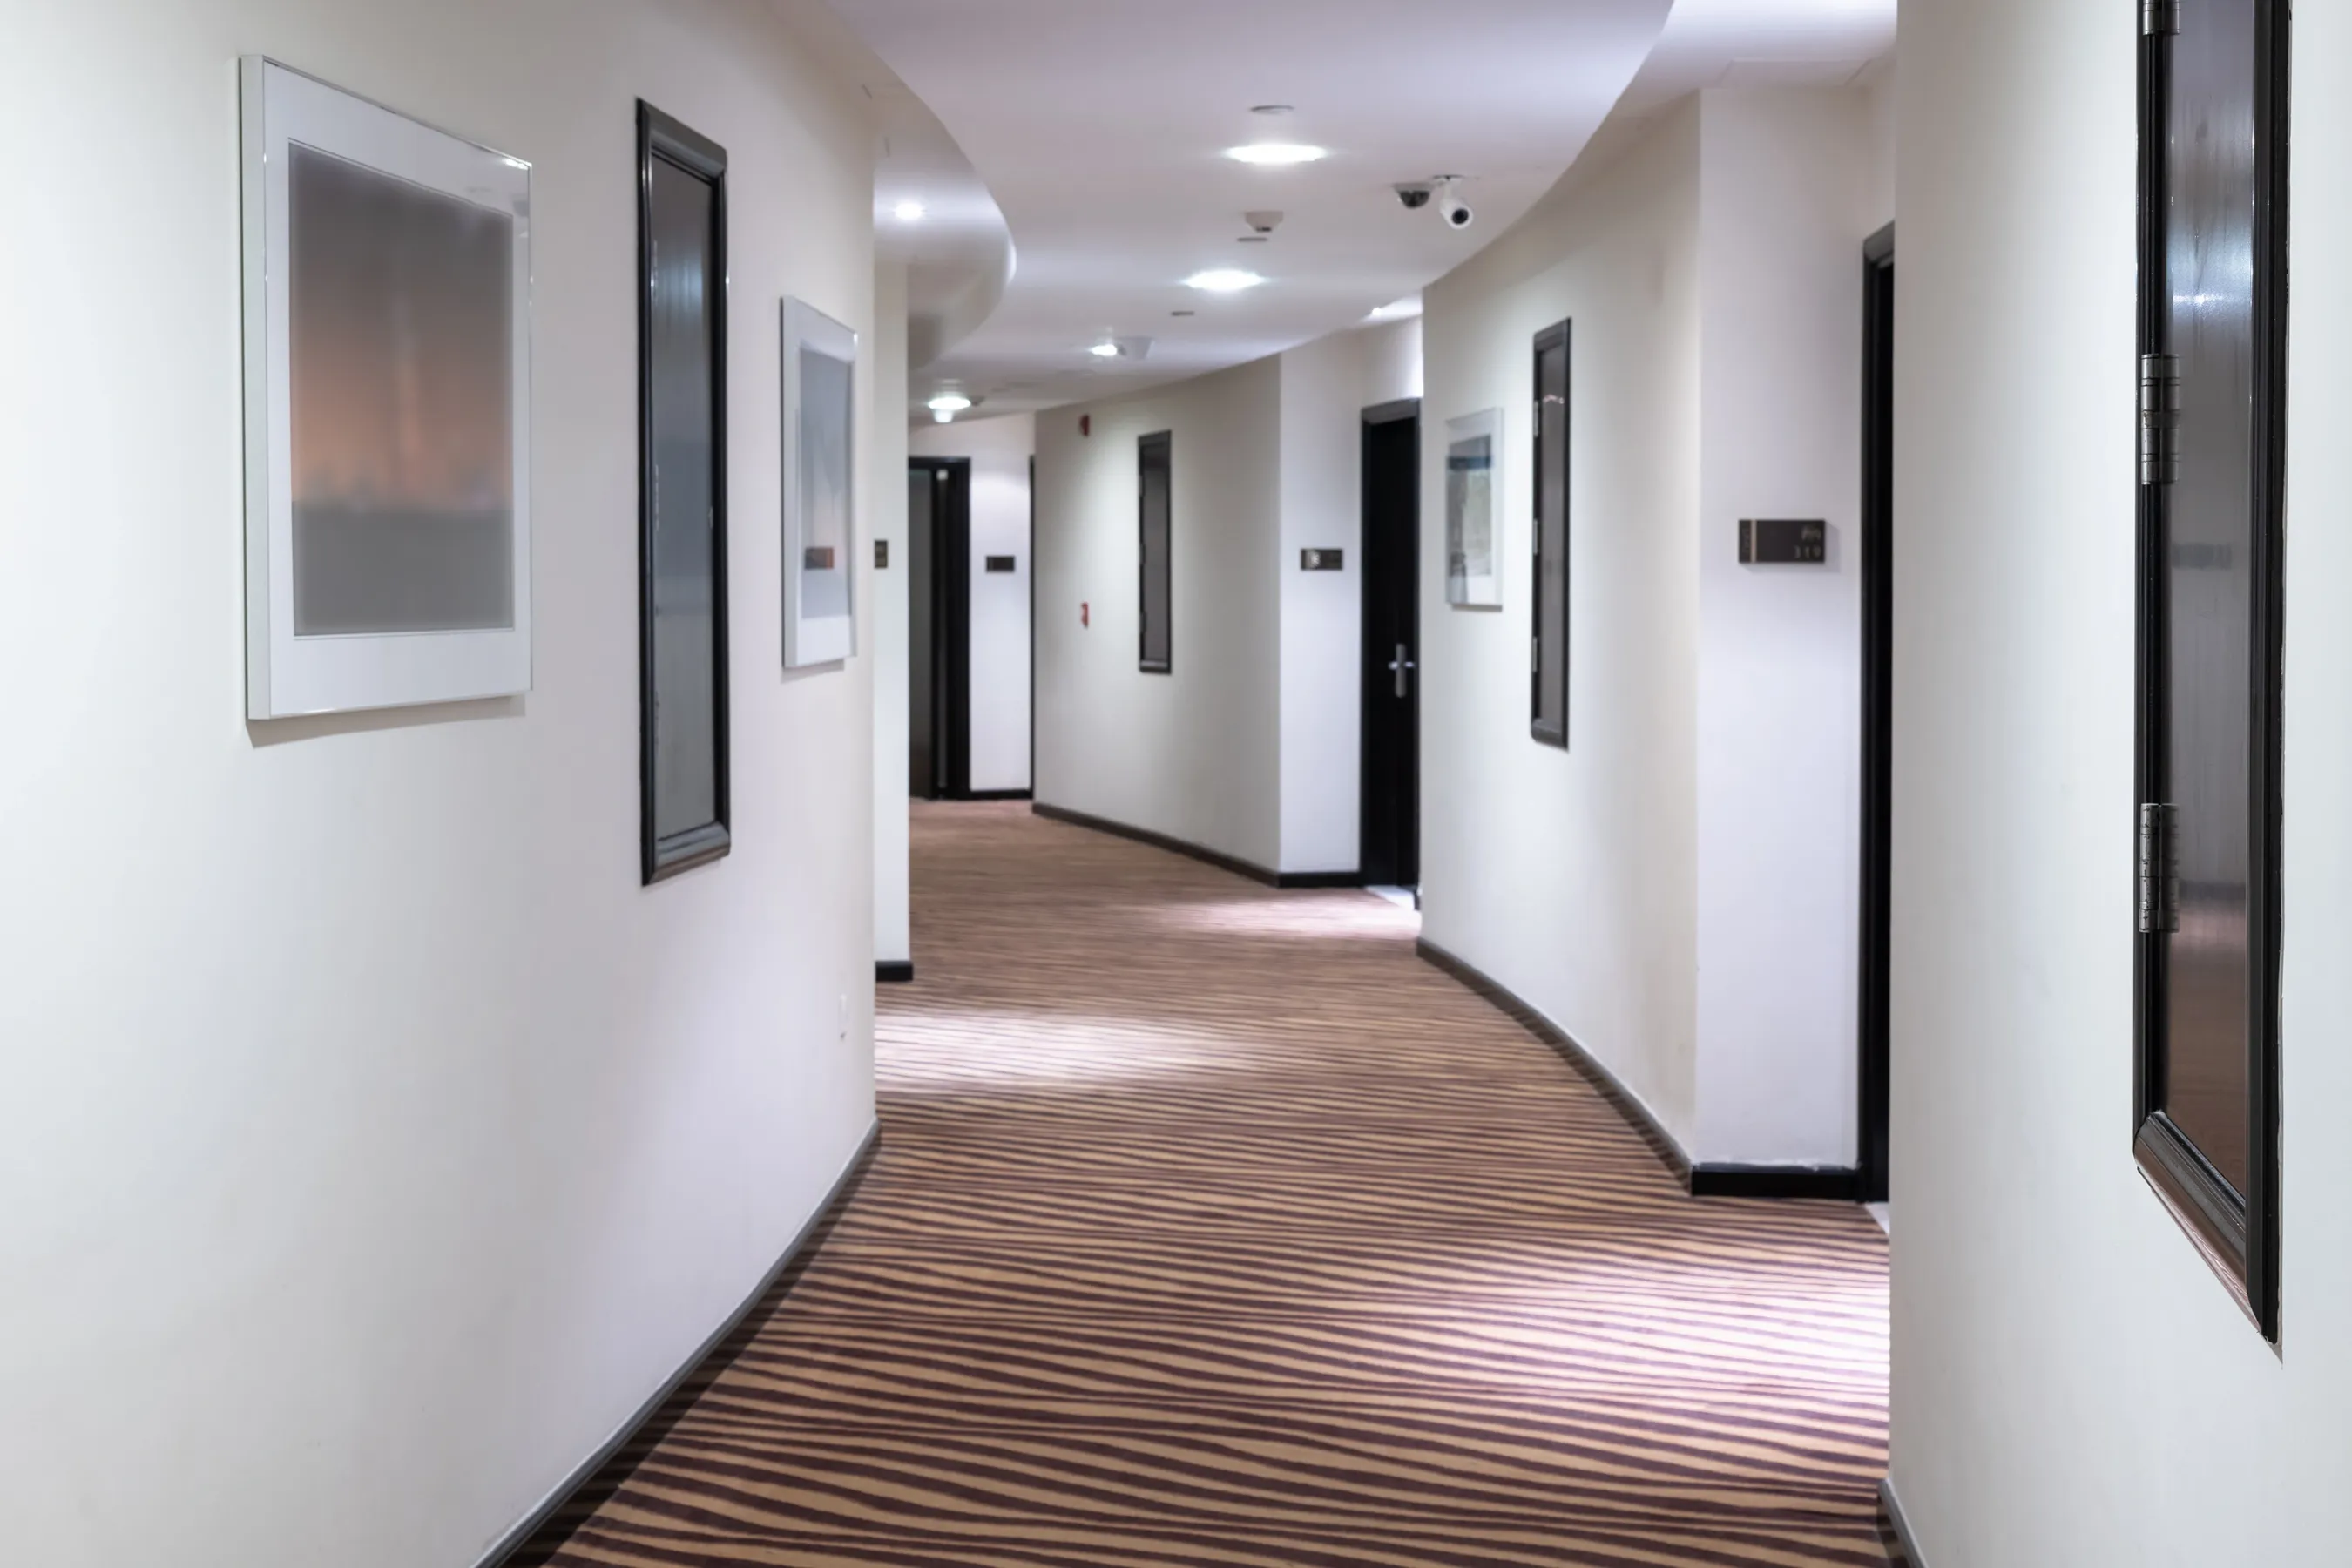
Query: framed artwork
(387, 405)
(820, 370)
(682, 495)
(1474, 524)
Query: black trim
(1701, 1181)
(893, 971)
(1876, 892)
(1159, 445)
(1838, 1182)
(1222, 861)
(2239, 1233)
(1559, 336)
(659, 858)
(1507, 1002)
(993, 794)
(1894, 1530)
(543, 1532)
(1033, 621)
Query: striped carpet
(1211, 1227)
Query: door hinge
(2159, 418)
(2160, 18)
(2159, 868)
(1534, 656)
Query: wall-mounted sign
(1783, 541)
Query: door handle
(1398, 666)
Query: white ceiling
(1098, 126)
(1093, 130)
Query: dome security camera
(1415, 194)
(1451, 206)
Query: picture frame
(820, 487)
(682, 609)
(1474, 519)
(387, 404)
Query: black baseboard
(1839, 1183)
(1637, 1115)
(1222, 861)
(1892, 1523)
(1701, 1181)
(990, 794)
(893, 971)
(544, 1531)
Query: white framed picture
(387, 405)
(1473, 515)
(820, 369)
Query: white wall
(2071, 1384)
(1676, 890)
(1322, 612)
(1251, 747)
(372, 1144)
(1190, 754)
(1326, 386)
(1000, 450)
(1783, 213)
(886, 636)
(1571, 876)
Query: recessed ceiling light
(1276, 154)
(950, 403)
(1222, 280)
(907, 211)
(1105, 349)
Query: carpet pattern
(1211, 1229)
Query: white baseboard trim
(1894, 1507)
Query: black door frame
(1875, 1030)
(950, 623)
(1374, 675)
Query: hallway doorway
(1877, 699)
(939, 627)
(1389, 853)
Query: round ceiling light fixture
(1106, 349)
(1276, 154)
(1222, 280)
(950, 403)
(908, 212)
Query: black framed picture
(2212, 407)
(682, 495)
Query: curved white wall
(1571, 876)
(371, 1144)
(2070, 1382)
(1675, 889)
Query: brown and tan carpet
(1211, 1226)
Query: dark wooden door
(1390, 815)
